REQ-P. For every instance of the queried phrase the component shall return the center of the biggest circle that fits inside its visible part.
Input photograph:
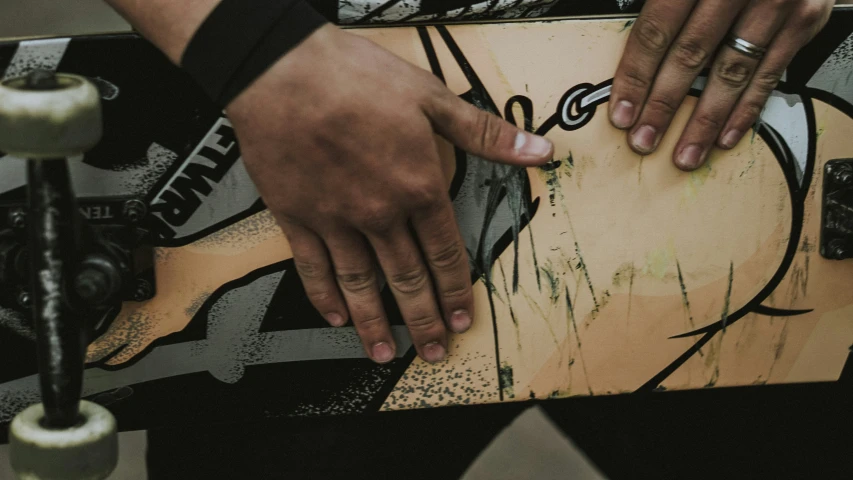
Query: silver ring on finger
(747, 48)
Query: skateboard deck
(603, 272)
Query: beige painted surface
(632, 222)
(810, 347)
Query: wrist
(240, 40)
(168, 24)
(287, 76)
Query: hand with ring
(745, 44)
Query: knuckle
(779, 4)
(733, 73)
(430, 85)
(357, 281)
(425, 193)
(447, 256)
(749, 112)
(635, 80)
(663, 105)
(422, 324)
(410, 281)
(319, 297)
(375, 218)
(766, 82)
(311, 269)
(324, 208)
(370, 325)
(488, 128)
(652, 36)
(328, 209)
(707, 122)
(457, 292)
(811, 14)
(690, 54)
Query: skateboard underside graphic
(602, 272)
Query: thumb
(486, 135)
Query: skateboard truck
(836, 233)
(64, 269)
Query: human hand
(340, 138)
(672, 41)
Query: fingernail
(645, 139)
(623, 114)
(689, 157)
(335, 319)
(460, 321)
(528, 145)
(433, 352)
(382, 352)
(731, 138)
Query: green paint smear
(657, 262)
(626, 270)
(568, 165)
(552, 280)
(696, 179)
(684, 298)
(508, 296)
(582, 266)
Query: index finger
(652, 34)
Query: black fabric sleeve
(291, 29)
(240, 39)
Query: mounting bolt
(17, 218)
(843, 175)
(134, 210)
(40, 79)
(837, 249)
(92, 285)
(143, 291)
(98, 279)
(24, 299)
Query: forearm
(168, 24)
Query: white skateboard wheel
(55, 121)
(86, 451)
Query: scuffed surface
(836, 74)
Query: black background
(780, 432)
